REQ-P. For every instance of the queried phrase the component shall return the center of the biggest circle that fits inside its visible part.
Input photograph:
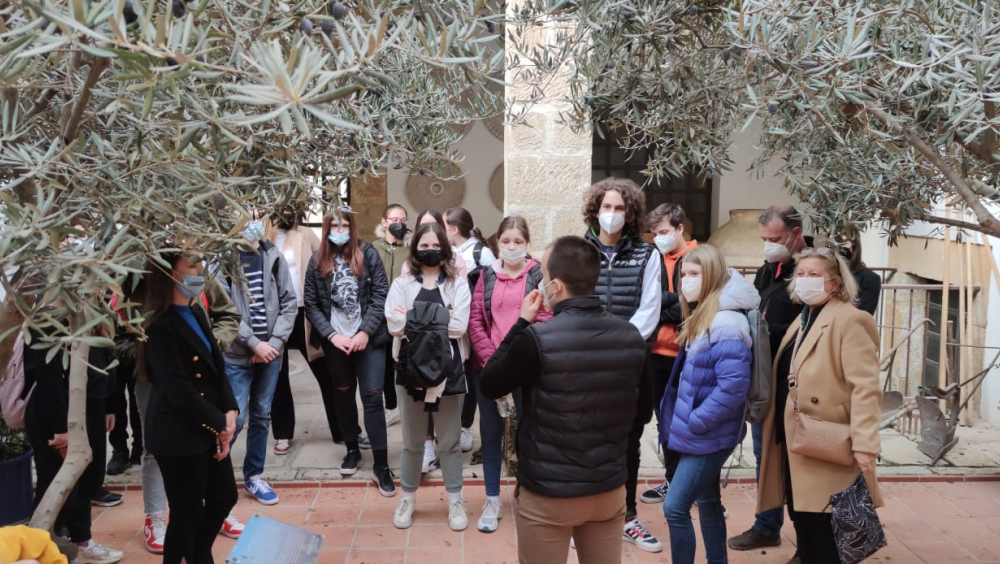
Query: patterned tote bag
(856, 528)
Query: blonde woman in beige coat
(836, 369)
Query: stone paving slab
(314, 456)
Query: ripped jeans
(360, 369)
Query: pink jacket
(505, 306)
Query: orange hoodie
(666, 339)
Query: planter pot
(739, 239)
(16, 488)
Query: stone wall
(547, 166)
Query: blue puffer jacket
(711, 378)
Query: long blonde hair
(714, 277)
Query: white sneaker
(458, 520)
(637, 534)
(232, 527)
(391, 417)
(430, 461)
(282, 446)
(466, 439)
(403, 517)
(97, 553)
(489, 521)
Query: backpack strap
(477, 254)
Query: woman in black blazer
(191, 414)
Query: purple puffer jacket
(711, 378)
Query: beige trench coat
(837, 369)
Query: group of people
(583, 346)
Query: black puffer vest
(620, 283)
(577, 415)
(490, 279)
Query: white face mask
(513, 257)
(665, 243)
(691, 288)
(611, 222)
(776, 252)
(545, 295)
(811, 289)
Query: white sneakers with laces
(637, 534)
(97, 553)
(458, 519)
(155, 532)
(489, 521)
(465, 440)
(403, 517)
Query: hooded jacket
(711, 378)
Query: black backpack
(475, 269)
(425, 353)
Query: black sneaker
(351, 462)
(656, 494)
(104, 498)
(136, 458)
(118, 463)
(751, 539)
(383, 477)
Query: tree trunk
(78, 455)
(510, 443)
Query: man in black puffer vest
(631, 286)
(581, 373)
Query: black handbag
(856, 529)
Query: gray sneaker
(97, 553)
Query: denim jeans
(154, 495)
(697, 480)
(769, 522)
(365, 370)
(491, 427)
(254, 387)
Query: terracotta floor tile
(335, 515)
(491, 554)
(960, 529)
(334, 536)
(291, 514)
(940, 552)
(372, 497)
(377, 556)
(913, 531)
(380, 536)
(986, 549)
(439, 555)
(296, 496)
(333, 555)
(377, 514)
(992, 523)
(934, 508)
(506, 534)
(117, 519)
(895, 553)
(439, 535)
(985, 507)
(340, 496)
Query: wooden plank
(945, 294)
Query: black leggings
(75, 514)
(201, 491)
(814, 531)
(660, 367)
(283, 405)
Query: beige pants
(545, 525)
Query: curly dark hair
(635, 203)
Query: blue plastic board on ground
(266, 541)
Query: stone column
(368, 200)
(547, 166)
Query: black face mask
(286, 220)
(429, 257)
(397, 230)
(846, 253)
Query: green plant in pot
(15, 475)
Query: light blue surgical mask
(254, 231)
(545, 294)
(338, 238)
(191, 286)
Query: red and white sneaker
(155, 531)
(232, 527)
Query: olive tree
(874, 111)
(135, 127)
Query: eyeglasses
(825, 251)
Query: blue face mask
(254, 231)
(338, 238)
(191, 286)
